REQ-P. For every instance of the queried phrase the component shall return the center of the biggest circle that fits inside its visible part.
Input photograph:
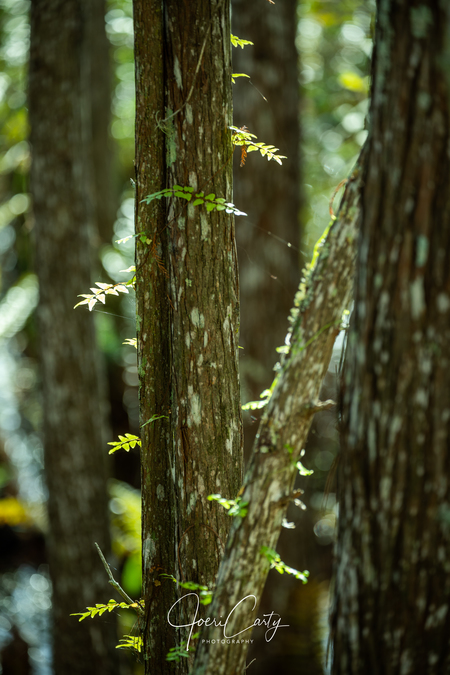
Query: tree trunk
(187, 306)
(391, 612)
(270, 476)
(73, 412)
(268, 268)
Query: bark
(268, 268)
(103, 188)
(187, 306)
(72, 407)
(272, 470)
(392, 581)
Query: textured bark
(272, 470)
(187, 295)
(391, 611)
(73, 415)
(268, 269)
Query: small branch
(318, 406)
(115, 584)
(284, 501)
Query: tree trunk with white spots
(269, 480)
(73, 407)
(391, 607)
(187, 307)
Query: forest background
(334, 45)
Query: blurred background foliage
(334, 41)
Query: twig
(115, 584)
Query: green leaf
(302, 471)
(134, 642)
(197, 202)
(237, 42)
(211, 196)
(152, 419)
(210, 207)
(183, 195)
(235, 507)
(254, 405)
(124, 443)
(281, 567)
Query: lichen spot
(148, 551)
(177, 73)
(229, 446)
(201, 485)
(189, 115)
(160, 492)
(195, 415)
(417, 297)
(197, 319)
(205, 227)
(443, 303)
(205, 338)
(187, 340)
(422, 248)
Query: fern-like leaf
(242, 137)
(124, 443)
(134, 642)
(210, 201)
(99, 294)
(237, 42)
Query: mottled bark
(391, 611)
(187, 296)
(272, 470)
(268, 268)
(73, 413)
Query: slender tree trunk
(272, 470)
(73, 413)
(103, 188)
(187, 306)
(269, 106)
(392, 598)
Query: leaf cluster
(204, 594)
(244, 138)
(99, 294)
(124, 443)
(281, 567)
(238, 42)
(303, 471)
(211, 201)
(235, 507)
(101, 609)
(256, 405)
(134, 642)
(238, 75)
(176, 653)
